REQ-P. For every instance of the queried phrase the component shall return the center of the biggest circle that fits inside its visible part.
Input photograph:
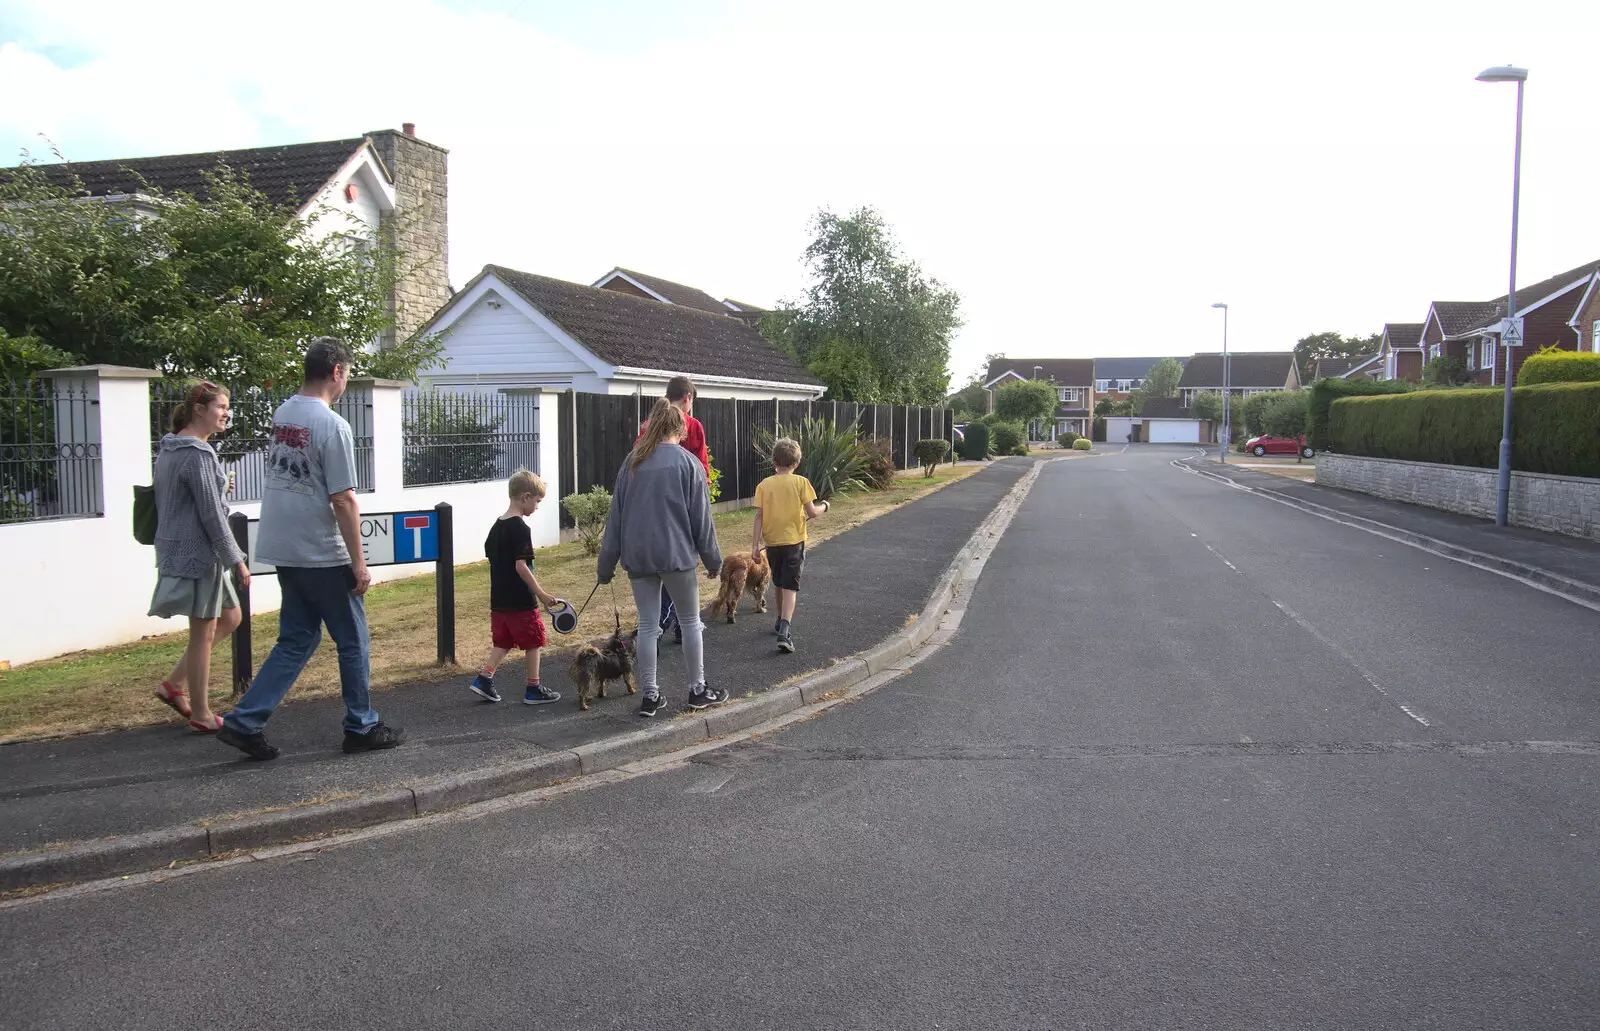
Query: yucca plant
(830, 456)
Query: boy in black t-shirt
(513, 615)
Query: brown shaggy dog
(741, 573)
(603, 659)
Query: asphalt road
(1195, 760)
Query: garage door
(1118, 428)
(1172, 431)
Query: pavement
(145, 797)
(1193, 760)
(1520, 550)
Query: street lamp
(1502, 507)
(1227, 431)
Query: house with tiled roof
(1399, 353)
(359, 186)
(1248, 373)
(1116, 378)
(509, 329)
(663, 290)
(1339, 368)
(1470, 330)
(1585, 321)
(1072, 378)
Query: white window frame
(1594, 337)
(1486, 353)
(1102, 385)
(1070, 395)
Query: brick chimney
(421, 224)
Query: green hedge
(974, 445)
(1326, 391)
(1006, 437)
(1554, 430)
(1553, 365)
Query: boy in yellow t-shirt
(784, 501)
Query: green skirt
(202, 598)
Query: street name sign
(387, 539)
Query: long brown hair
(198, 395)
(665, 421)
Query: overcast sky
(1089, 180)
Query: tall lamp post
(1226, 436)
(1506, 73)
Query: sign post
(243, 673)
(444, 581)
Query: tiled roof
(1068, 372)
(1403, 334)
(676, 293)
(637, 332)
(1527, 295)
(1460, 316)
(1252, 370)
(1166, 408)
(1129, 368)
(289, 175)
(741, 306)
(1327, 368)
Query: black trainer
(648, 707)
(254, 745)
(381, 736)
(706, 697)
(786, 642)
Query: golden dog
(741, 573)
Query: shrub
(1021, 451)
(877, 466)
(830, 457)
(1445, 371)
(1005, 437)
(930, 453)
(715, 478)
(974, 443)
(1554, 430)
(1248, 413)
(1082, 444)
(1553, 365)
(1284, 414)
(1097, 429)
(589, 511)
(1067, 438)
(450, 438)
(1325, 391)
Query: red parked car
(1262, 446)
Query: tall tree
(872, 326)
(1026, 402)
(1162, 379)
(228, 288)
(1331, 345)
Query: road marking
(1414, 715)
(1219, 555)
(709, 787)
(1305, 625)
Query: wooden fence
(598, 431)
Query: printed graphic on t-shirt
(288, 463)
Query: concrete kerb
(1575, 591)
(860, 674)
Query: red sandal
(203, 728)
(168, 695)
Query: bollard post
(239, 523)
(444, 584)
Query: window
(1594, 337)
(1433, 351)
(1102, 385)
(1069, 395)
(1486, 353)
(1470, 354)
(1188, 396)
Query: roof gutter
(816, 389)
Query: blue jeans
(312, 598)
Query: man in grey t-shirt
(311, 531)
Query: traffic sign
(1511, 332)
(387, 539)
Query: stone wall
(422, 226)
(1558, 504)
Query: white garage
(1118, 428)
(1172, 431)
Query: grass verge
(111, 688)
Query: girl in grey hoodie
(195, 549)
(659, 526)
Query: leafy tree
(970, 401)
(227, 288)
(1136, 399)
(1162, 379)
(1284, 414)
(1331, 345)
(1029, 401)
(589, 512)
(871, 326)
(1208, 405)
(1445, 371)
(1252, 413)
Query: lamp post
(1226, 436)
(1502, 506)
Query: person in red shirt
(680, 391)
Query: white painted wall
(86, 583)
(332, 213)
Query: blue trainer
(538, 694)
(483, 687)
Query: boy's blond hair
(524, 482)
(785, 453)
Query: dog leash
(590, 598)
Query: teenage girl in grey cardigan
(195, 549)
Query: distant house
(1072, 378)
(1167, 420)
(510, 329)
(358, 186)
(1399, 352)
(1551, 311)
(1116, 378)
(1249, 373)
(664, 290)
(1340, 368)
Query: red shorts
(523, 630)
